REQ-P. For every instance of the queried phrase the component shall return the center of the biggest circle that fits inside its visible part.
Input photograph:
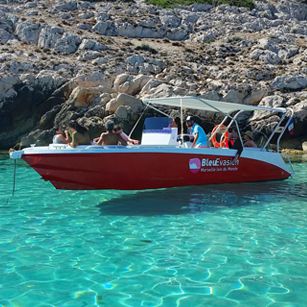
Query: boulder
(136, 30)
(47, 120)
(89, 55)
(97, 111)
(94, 125)
(66, 6)
(7, 83)
(266, 56)
(235, 95)
(130, 85)
(48, 80)
(122, 112)
(28, 32)
(273, 101)
(95, 79)
(48, 36)
(304, 146)
(170, 20)
(122, 99)
(68, 43)
(105, 28)
(5, 36)
(91, 44)
(83, 97)
(290, 82)
(255, 96)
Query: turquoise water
(223, 245)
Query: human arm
(67, 136)
(74, 140)
(195, 139)
(127, 139)
(99, 140)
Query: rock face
(94, 60)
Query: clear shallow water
(201, 246)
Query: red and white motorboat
(160, 161)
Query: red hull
(135, 171)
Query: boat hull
(133, 170)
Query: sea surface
(227, 245)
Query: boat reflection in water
(201, 199)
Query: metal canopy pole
(181, 115)
(274, 131)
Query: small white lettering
(219, 162)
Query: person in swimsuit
(123, 136)
(76, 135)
(109, 137)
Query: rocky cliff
(92, 60)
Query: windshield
(157, 123)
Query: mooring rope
(14, 177)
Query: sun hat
(189, 118)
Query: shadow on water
(201, 198)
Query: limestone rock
(255, 96)
(66, 6)
(28, 32)
(290, 82)
(5, 36)
(89, 55)
(49, 35)
(94, 79)
(68, 43)
(48, 80)
(6, 84)
(266, 56)
(122, 112)
(83, 97)
(130, 85)
(122, 99)
(96, 110)
(94, 125)
(105, 28)
(90, 44)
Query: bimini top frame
(199, 103)
(226, 108)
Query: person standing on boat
(200, 137)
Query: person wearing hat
(108, 137)
(200, 137)
(248, 139)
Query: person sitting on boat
(123, 136)
(109, 137)
(59, 137)
(200, 138)
(176, 123)
(77, 135)
(249, 139)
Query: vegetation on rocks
(173, 3)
